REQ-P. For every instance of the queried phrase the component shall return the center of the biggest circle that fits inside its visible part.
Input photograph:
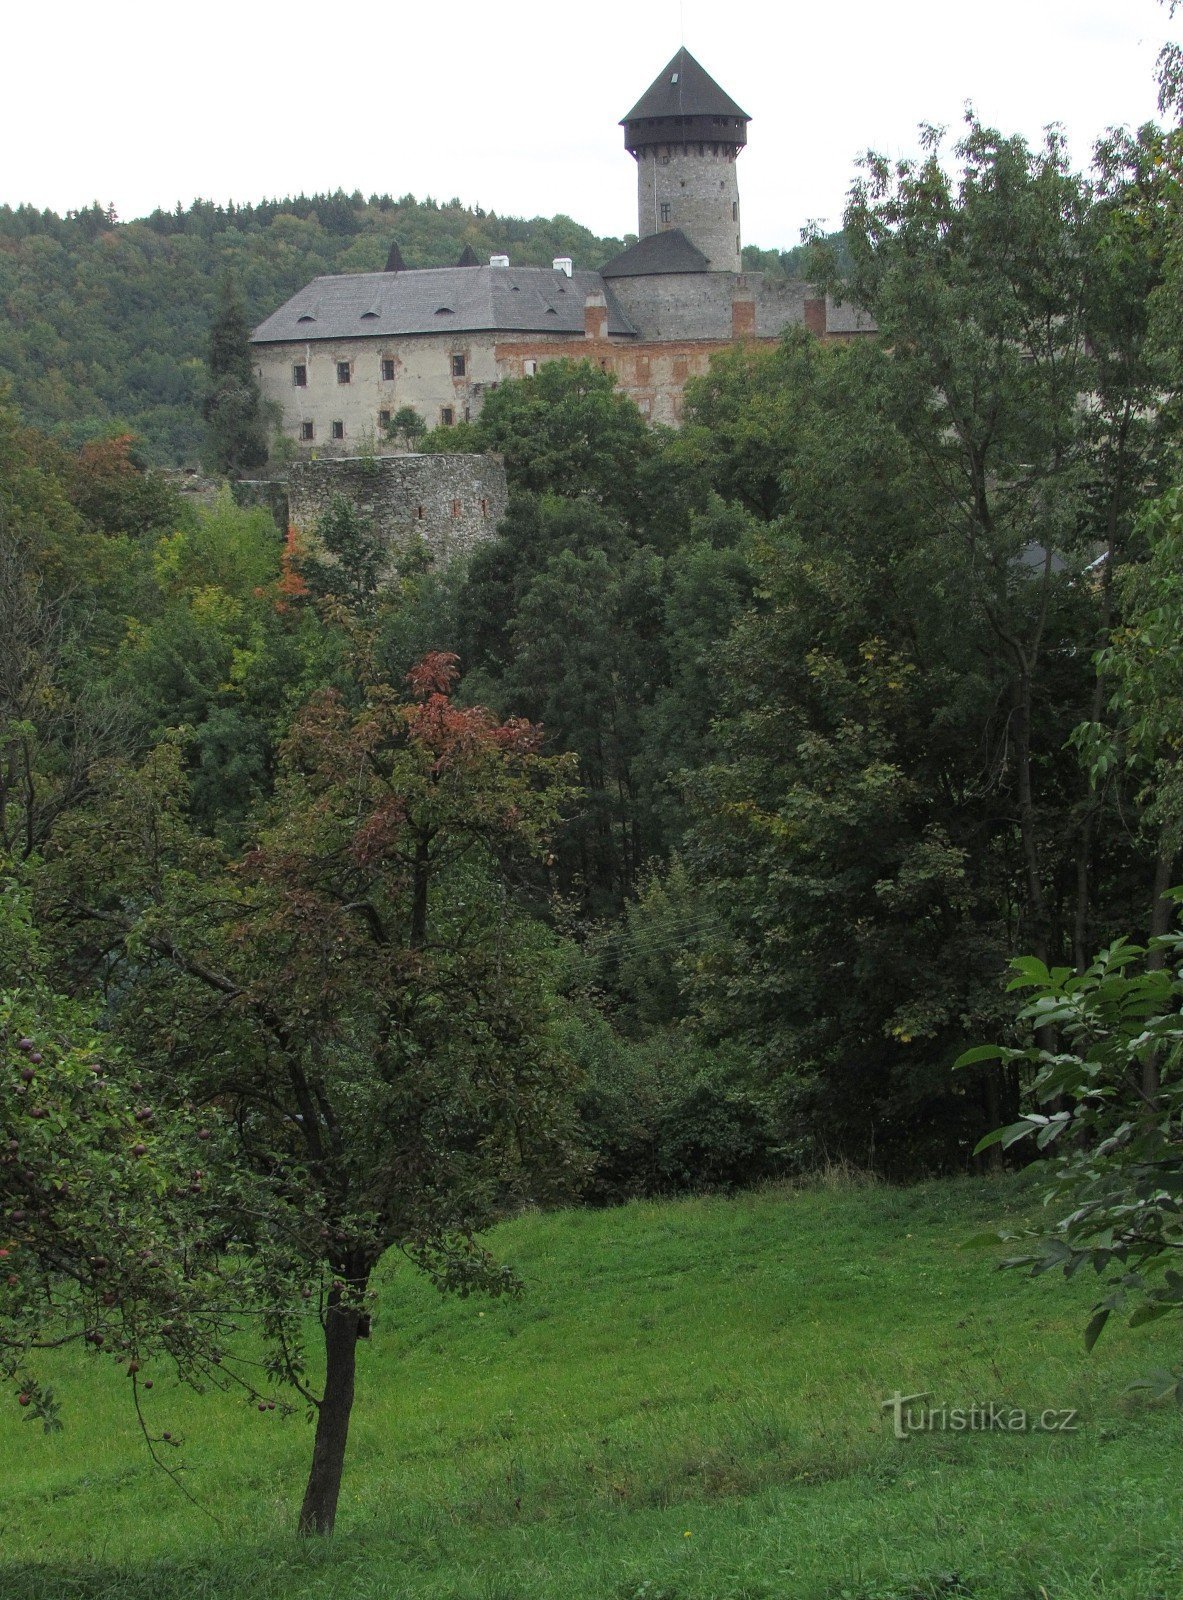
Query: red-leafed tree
(356, 996)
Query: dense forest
(103, 324)
(682, 837)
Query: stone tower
(685, 134)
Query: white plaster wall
(423, 379)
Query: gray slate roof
(684, 89)
(363, 305)
(669, 251)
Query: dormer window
(443, 311)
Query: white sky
(513, 104)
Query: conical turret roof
(684, 89)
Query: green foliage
(406, 427)
(567, 431)
(354, 990)
(358, 556)
(1141, 666)
(115, 1213)
(236, 438)
(106, 324)
(1109, 1100)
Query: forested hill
(104, 323)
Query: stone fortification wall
(450, 502)
(698, 305)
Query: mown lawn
(685, 1405)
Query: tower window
(344, 371)
(306, 431)
(300, 375)
(665, 211)
(735, 211)
(459, 366)
(455, 508)
(338, 430)
(387, 369)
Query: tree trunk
(319, 1511)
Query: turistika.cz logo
(982, 1416)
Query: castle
(346, 353)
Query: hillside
(686, 1404)
(104, 324)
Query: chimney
(499, 261)
(563, 264)
(595, 316)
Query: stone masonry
(449, 502)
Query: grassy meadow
(686, 1404)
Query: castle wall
(450, 502)
(422, 379)
(682, 319)
(695, 188)
(699, 305)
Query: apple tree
(356, 995)
(115, 1212)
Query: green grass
(685, 1405)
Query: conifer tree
(235, 431)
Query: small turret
(685, 134)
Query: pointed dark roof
(394, 261)
(684, 89)
(670, 251)
(468, 257)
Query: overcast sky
(513, 104)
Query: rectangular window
(338, 430)
(455, 508)
(665, 211)
(419, 512)
(387, 369)
(344, 371)
(300, 375)
(447, 416)
(459, 366)
(306, 431)
(529, 368)
(384, 419)
(735, 211)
